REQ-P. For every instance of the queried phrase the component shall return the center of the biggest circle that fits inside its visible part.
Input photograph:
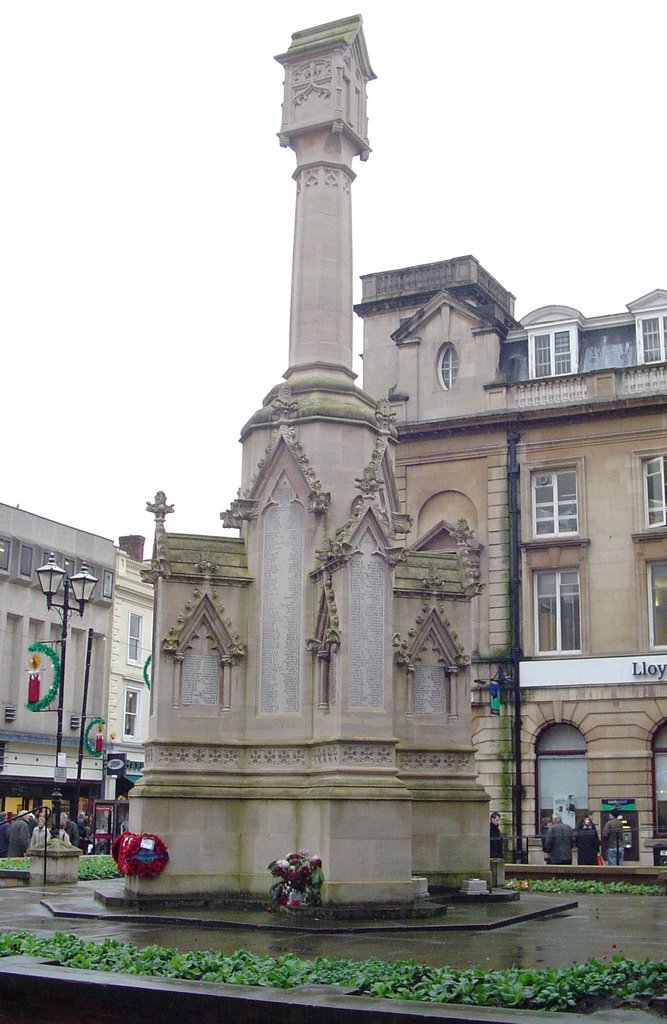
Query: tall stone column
(324, 122)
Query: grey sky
(146, 211)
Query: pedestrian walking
(495, 837)
(587, 842)
(614, 838)
(559, 841)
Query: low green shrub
(566, 988)
(582, 885)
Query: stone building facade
(129, 670)
(28, 738)
(548, 436)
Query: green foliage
(92, 868)
(565, 988)
(582, 885)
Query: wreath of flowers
(142, 854)
(91, 750)
(147, 678)
(49, 652)
(298, 882)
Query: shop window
(657, 582)
(660, 780)
(562, 774)
(557, 620)
(555, 503)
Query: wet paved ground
(634, 926)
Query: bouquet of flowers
(298, 881)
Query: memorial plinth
(62, 863)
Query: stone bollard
(62, 863)
(497, 873)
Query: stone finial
(159, 508)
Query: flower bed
(600, 983)
(583, 885)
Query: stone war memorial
(310, 677)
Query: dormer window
(650, 313)
(553, 352)
(652, 338)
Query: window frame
(539, 575)
(556, 502)
(663, 490)
(651, 603)
(107, 584)
(447, 383)
(550, 331)
(26, 549)
(660, 316)
(135, 691)
(4, 562)
(135, 638)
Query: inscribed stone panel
(201, 679)
(367, 628)
(280, 613)
(428, 690)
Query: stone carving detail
(277, 757)
(318, 502)
(206, 565)
(380, 754)
(240, 510)
(407, 648)
(233, 648)
(468, 549)
(283, 409)
(191, 755)
(325, 755)
(435, 761)
(283, 405)
(310, 70)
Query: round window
(448, 367)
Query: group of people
(19, 832)
(559, 840)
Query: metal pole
(513, 437)
(56, 796)
(74, 802)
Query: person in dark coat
(559, 841)
(4, 834)
(495, 837)
(587, 842)
(19, 836)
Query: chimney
(133, 546)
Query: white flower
(282, 864)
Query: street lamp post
(77, 590)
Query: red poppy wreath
(141, 854)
